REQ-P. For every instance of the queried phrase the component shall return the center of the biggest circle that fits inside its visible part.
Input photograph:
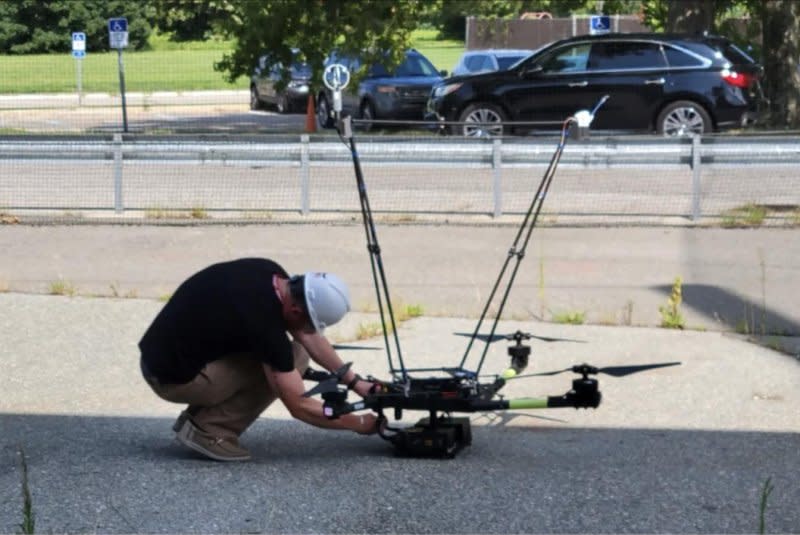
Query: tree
(377, 30)
(781, 38)
(450, 17)
(31, 26)
(188, 20)
(690, 16)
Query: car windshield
(413, 65)
(301, 70)
(504, 62)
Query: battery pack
(444, 439)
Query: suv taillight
(738, 79)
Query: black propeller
(614, 371)
(331, 384)
(517, 335)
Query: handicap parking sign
(118, 25)
(78, 44)
(599, 24)
(118, 32)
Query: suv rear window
(679, 58)
(735, 54)
(625, 55)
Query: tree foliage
(377, 30)
(781, 37)
(189, 20)
(449, 16)
(35, 27)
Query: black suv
(383, 95)
(673, 84)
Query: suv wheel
(282, 104)
(255, 103)
(481, 120)
(683, 118)
(324, 113)
(367, 115)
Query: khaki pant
(228, 394)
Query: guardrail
(304, 152)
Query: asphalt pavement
(684, 449)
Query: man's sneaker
(217, 448)
(180, 421)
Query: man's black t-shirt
(226, 308)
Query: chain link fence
(643, 180)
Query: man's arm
(289, 387)
(323, 354)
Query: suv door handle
(657, 81)
(579, 84)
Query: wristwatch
(352, 384)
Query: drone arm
(582, 395)
(551, 402)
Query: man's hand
(363, 388)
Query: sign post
(118, 38)
(79, 52)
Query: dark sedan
(267, 85)
(675, 85)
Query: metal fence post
(696, 179)
(118, 205)
(497, 172)
(305, 174)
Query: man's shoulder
(255, 264)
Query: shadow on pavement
(237, 122)
(125, 475)
(735, 311)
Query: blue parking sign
(78, 45)
(118, 25)
(599, 24)
(118, 33)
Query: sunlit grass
(166, 66)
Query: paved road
(134, 99)
(243, 188)
(743, 280)
(186, 111)
(677, 450)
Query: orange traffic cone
(311, 116)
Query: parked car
(673, 84)
(499, 59)
(265, 87)
(397, 95)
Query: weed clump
(671, 317)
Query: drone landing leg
(435, 436)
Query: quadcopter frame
(455, 389)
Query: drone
(443, 391)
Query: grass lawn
(168, 67)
